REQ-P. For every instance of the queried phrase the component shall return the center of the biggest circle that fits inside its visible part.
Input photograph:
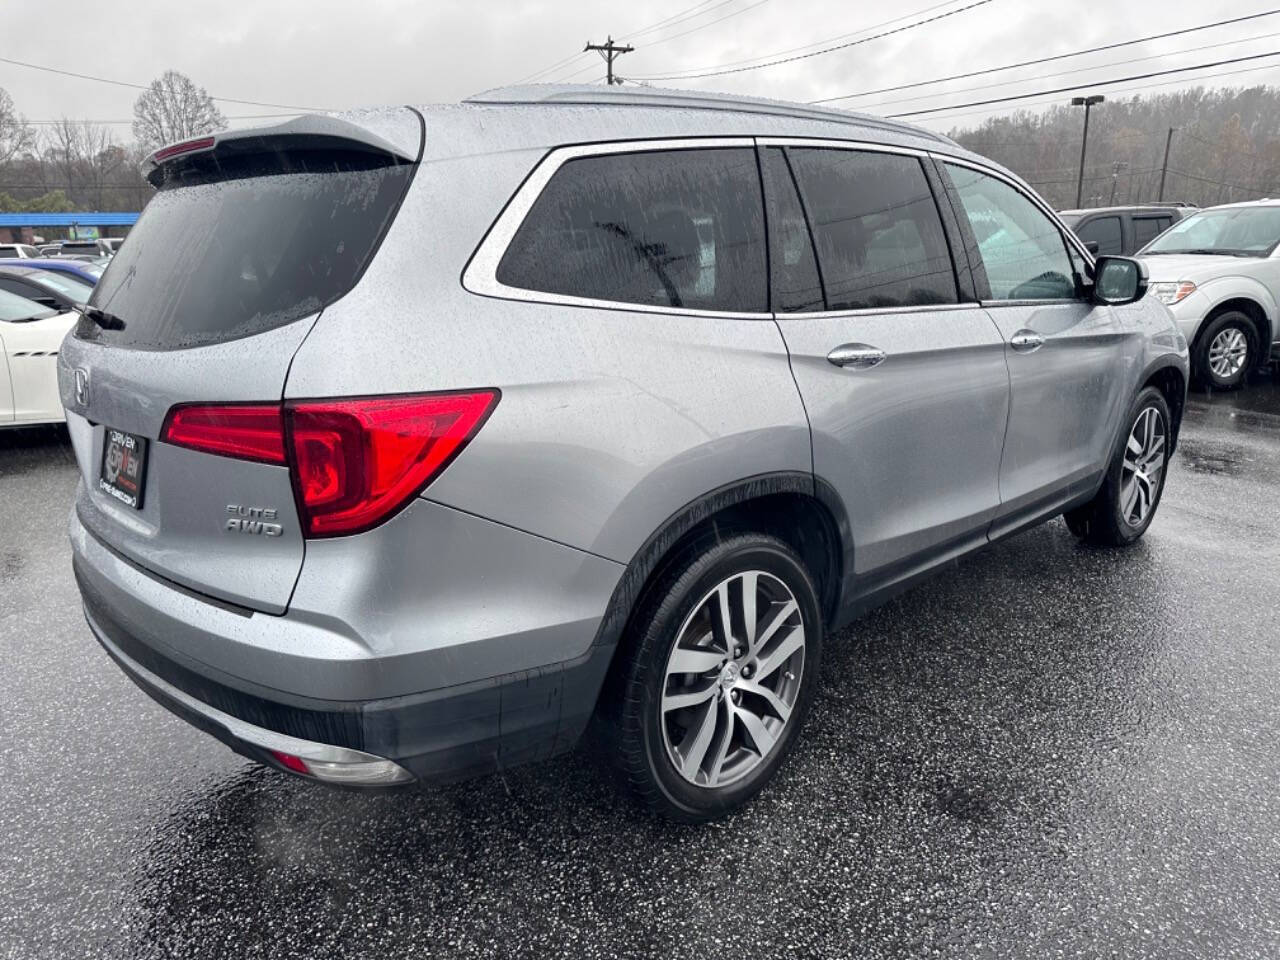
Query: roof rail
(636, 96)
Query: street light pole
(1087, 103)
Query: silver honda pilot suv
(412, 440)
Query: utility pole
(1164, 167)
(1087, 103)
(1116, 167)
(610, 51)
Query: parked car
(1121, 231)
(18, 251)
(1219, 272)
(644, 423)
(51, 288)
(113, 243)
(87, 270)
(50, 250)
(29, 337)
(89, 248)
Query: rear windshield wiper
(107, 321)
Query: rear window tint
(236, 248)
(1146, 229)
(669, 228)
(1105, 232)
(877, 229)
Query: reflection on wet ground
(1048, 750)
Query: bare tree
(84, 154)
(16, 135)
(173, 108)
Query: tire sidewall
(745, 552)
(1150, 397)
(1235, 319)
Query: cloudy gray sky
(331, 55)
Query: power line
(1144, 86)
(239, 116)
(824, 40)
(685, 33)
(1059, 56)
(1081, 86)
(630, 36)
(671, 22)
(1067, 73)
(145, 86)
(818, 53)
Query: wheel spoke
(782, 615)
(694, 746)
(1129, 496)
(725, 731)
(721, 619)
(686, 660)
(1135, 445)
(688, 697)
(750, 584)
(781, 653)
(780, 709)
(756, 730)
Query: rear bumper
(447, 733)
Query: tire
(731, 740)
(1226, 350)
(1116, 517)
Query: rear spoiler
(312, 131)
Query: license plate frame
(122, 474)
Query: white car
(19, 251)
(1219, 272)
(30, 335)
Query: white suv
(1219, 272)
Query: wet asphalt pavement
(1047, 751)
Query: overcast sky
(331, 55)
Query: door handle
(1026, 341)
(856, 356)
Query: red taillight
(244, 431)
(187, 146)
(357, 461)
(354, 462)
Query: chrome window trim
(822, 143)
(879, 311)
(480, 276)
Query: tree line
(81, 165)
(1225, 147)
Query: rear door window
(876, 227)
(664, 228)
(237, 246)
(1105, 232)
(1146, 229)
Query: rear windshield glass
(234, 248)
(14, 308)
(78, 290)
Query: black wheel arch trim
(649, 556)
(1176, 410)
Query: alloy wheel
(1227, 352)
(1143, 465)
(732, 679)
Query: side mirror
(1092, 247)
(1119, 280)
